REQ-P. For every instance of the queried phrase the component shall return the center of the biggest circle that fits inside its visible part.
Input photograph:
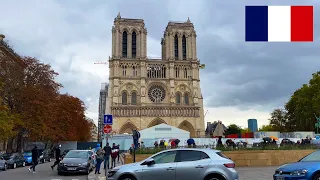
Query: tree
(245, 130)
(268, 127)
(233, 129)
(279, 120)
(303, 105)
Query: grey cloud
(237, 73)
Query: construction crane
(100, 63)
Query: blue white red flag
(279, 23)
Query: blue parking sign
(107, 119)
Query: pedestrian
(118, 148)
(35, 156)
(161, 144)
(99, 157)
(58, 156)
(173, 144)
(156, 145)
(107, 153)
(114, 153)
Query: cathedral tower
(145, 92)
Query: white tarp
(163, 131)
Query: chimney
(2, 37)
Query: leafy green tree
(303, 105)
(233, 129)
(279, 120)
(268, 127)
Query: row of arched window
(178, 75)
(185, 98)
(134, 71)
(125, 44)
(184, 47)
(124, 97)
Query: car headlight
(113, 171)
(83, 164)
(300, 172)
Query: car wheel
(60, 173)
(14, 165)
(23, 164)
(5, 167)
(127, 177)
(49, 159)
(316, 177)
(215, 177)
(44, 160)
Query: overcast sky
(242, 80)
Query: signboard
(107, 119)
(107, 129)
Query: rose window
(156, 93)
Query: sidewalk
(102, 176)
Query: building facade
(145, 92)
(102, 108)
(253, 125)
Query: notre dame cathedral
(145, 92)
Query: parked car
(15, 160)
(3, 164)
(306, 168)
(28, 157)
(76, 161)
(45, 156)
(176, 164)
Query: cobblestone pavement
(256, 173)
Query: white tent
(163, 131)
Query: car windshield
(27, 154)
(77, 154)
(315, 156)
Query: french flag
(279, 23)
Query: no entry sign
(107, 129)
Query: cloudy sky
(242, 80)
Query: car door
(163, 169)
(191, 164)
(90, 160)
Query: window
(177, 72)
(124, 98)
(189, 155)
(124, 44)
(178, 98)
(176, 46)
(166, 157)
(186, 98)
(185, 73)
(134, 71)
(134, 98)
(124, 70)
(134, 44)
(184, 47)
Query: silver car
(179, 164)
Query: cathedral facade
(145, 92)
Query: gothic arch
(187, 126)
(129, 87)
(125, 28)
(181, 86)
(127, 128)
(156, 121)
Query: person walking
(58, 156)
(35, 156)
(99, 157)
(107, 153)
(118, 149)
(114, 153)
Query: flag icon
(279, 23)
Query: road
(44, 172)
(256, 173)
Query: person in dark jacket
(35, 156)
(58, 156)
(107, 153)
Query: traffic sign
(107, 119)
(107, 129)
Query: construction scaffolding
(102, 108)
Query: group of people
(104, 154)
